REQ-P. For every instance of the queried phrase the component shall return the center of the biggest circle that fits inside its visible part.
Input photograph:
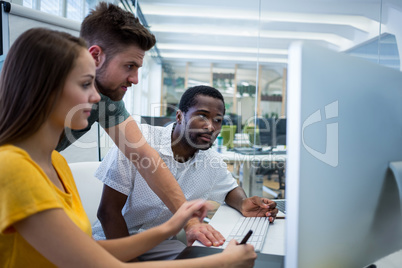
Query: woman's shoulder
(14, 160)
(12, 153)
(58, 158)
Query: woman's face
(78, 95)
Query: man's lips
(87, 111)
(206, 137)
(124, 87)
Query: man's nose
(210, 126)
(133, 79)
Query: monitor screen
(266, 130)
(233, 119)
(280, 127)
(344, 123)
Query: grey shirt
(106, 112)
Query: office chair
(278, 170)
(268, 137)
(228, 134)
(89, 187)
(90, 190)
(250, 131)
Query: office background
(239, 47)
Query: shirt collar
(166, 146)
(166, 141)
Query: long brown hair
(32, 79)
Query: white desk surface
(393, 260)
(226, 217)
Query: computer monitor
(280, 127)
(233, 119)
(266, 127)
(344, 122)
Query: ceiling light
(167, 46)
(359, 22)
(209, 30)
(222, 58)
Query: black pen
(244, 241)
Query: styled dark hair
(113, 29)
(32, 79)
(188, 99)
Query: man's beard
(113, 94)
(192, 140)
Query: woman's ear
(98, 55)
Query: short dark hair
(32, 79)
(188, 99)
(113, 29)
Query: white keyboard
(259, 226)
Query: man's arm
(251, 207)
(109, 213)
(129, 139)
(235, 198)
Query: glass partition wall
(241, 48)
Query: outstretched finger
(200, 209)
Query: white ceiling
(228, 32)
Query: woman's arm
(58, 239)
(127, 248)
(128, 137)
